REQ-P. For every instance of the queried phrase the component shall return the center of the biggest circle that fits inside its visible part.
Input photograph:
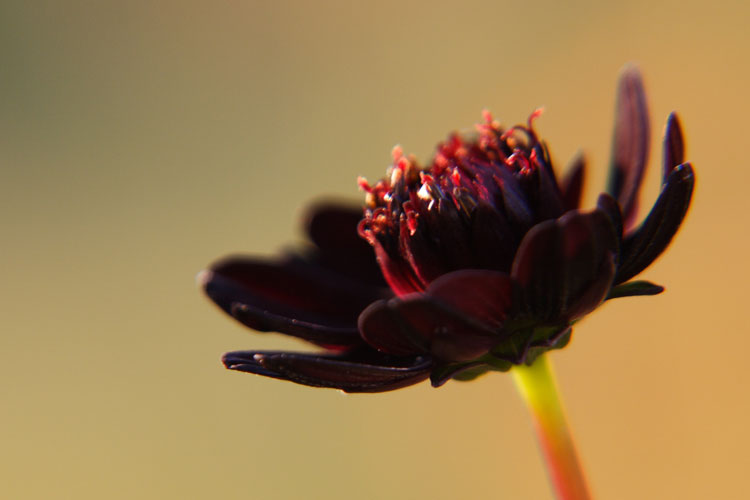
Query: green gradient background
(141, 140)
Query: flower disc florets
(469, 209)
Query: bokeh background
(141, 140)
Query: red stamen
(441, 163)
(519, 157)
(411, 217)
(533, 116)
(456, 177)
(403, 163)
(365, 232)
(364, 185)
(397, 152)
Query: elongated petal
(674, 146)
(425, 258)
(458, 318)
(397, 272)
(449, 234)
(549, 202)
(480, 294)
(430, 327)
(611, 209)
(572, 183)
(290, 296)
(332, 227)
(564, 267)
(347, 372)
(538, 269)
(594, 292)
(630, 145)
(515, 204)
(493, 242)
(644, 245)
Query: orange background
(141, 140)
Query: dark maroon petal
(572, 183)
(611, 209)
(493, 242)
(590, 244)
(290, 296)
(458, 318)
(332, 227)
(430, 326)
(383, 327)
(565, 266)
(516, 207)
(589, 297)
(538, 269)
(424, 257)
(347, 372)
(397, 272)
(644, 245)
(549, 202)
(449, 234)
(484, 295)
(674, 146)
(631, 143)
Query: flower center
(418, 218)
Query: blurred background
(141, 140)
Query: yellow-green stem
(537, 386)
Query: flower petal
(448, 234)
(538, 269)
(332, 226)
(397, 272)
(492, 239)
(644, 245)
(565, 266)
(630, 145)
(674, 146)
(349, 372)
(382, 327)
(611, 209)
(516, 207)
(290, 296)
(572, 183)
(549, 202)
(481, 294)
(458, 318)
(594, 292)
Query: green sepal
(537, 350)
(471, 373)
(634, 288)
(531, 341)
(523, 346)
(513, 348)
(468, 370)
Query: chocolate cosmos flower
(480, 261)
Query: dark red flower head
(486, 257)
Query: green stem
(537, 386)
